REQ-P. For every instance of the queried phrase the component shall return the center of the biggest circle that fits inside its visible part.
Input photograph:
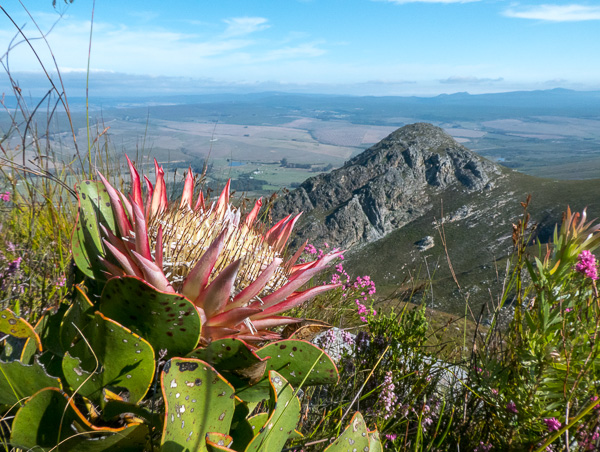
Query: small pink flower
(310, 249)
(483, 447)
(512, 407)
(14, 265)
(587, 265)
(5, 196)
(553, 424)
(61, 282)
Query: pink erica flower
(587, 265)
(553, 424)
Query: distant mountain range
(387, 206)
(542, 102)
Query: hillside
(386, 206)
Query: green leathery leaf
(284, 414)
(116, 408)
(112, 357)
(15, 326)
(75, 320)
(294, 359)
(375, 442)
(53, 364)
(354, 437)
(48, 327)
(29, 351)
(227, 354)
(168, 321)
(48, 332)
(216, 442)
(49, 418)
(86, 242)
(198, 400)
(235, 360)
(247, 429)
(19, 381)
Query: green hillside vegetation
(477, 245)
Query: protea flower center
(187, 234)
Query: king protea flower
(234, 274)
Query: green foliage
(18, 381)
(94, 209)
(50, 418)
(169, 322)
(109, 356)
(198, 400)
(107, 373)
(355, 436)
(300, 362)
(282, 418)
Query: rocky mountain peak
(385, 187)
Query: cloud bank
(456, 80)
(556, 13)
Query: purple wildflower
(388, 396)
(5, 196)
(13, 266)
(483, 447)
(512, 407)
(310, 249)
(587, 265)
(61, 281)
(553, 424)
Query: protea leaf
(167, 321)
(197, 401)
(49, 420)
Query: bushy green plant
(535, 384)
(385, 371)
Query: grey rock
(385, 187)
(425, 243)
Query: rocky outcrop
(385, 187)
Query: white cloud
(556, 13)
(239, 26)
(402, 2)
(457, 80)
(159, 51)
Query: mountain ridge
(392, 223)
(387, 186)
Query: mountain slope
(387, 186)
(388, 204)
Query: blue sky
(395, 47)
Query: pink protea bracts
(233, 273)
